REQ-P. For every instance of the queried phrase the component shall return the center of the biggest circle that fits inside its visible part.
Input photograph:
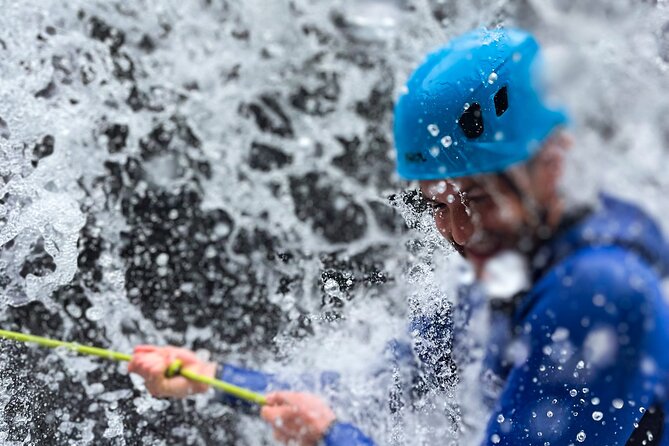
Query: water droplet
(549, 414)
(599, 300)
(595, 401)
(446, 141)
(580, 437)
(618, 403)
(331, 285)
(573, 392)
(500, 418)
(433, 129)
(94, 314)
(492, 78)
(162, 259)
(434, 151)
(597, 415)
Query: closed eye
(475, 195)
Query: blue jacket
(593, 330)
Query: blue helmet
(474, 106)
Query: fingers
(278, 398)
(151, 362)
(145, 348)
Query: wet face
(485, 214)
(480, 215)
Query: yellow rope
(173, 370)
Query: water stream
(216, 174)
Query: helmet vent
(501, 101)
(471, 121)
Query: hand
(297, 417)
(150, 362)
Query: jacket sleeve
(339, 434)
(344, 434)
(593, 342)
(262, 382)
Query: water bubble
(450, 199)
(465, 107)
(500, 418)
(597, 415)
(573, 392)
(222, 230)
(162, 259)
(446, 141)
(495, 439)
(331, 286)
(516, 57)
(94, 313)
(434, 151)
(433, 129)
(499, 135)
(580, 437)
(595, 401)
(549, 414)
(580, 365)
(599, 300)
(492, 78)
(618, 403)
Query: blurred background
(219, 175)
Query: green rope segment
(173, 369)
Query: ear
(545, 170)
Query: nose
(453, 222)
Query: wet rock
(366, 159)
(379, 103)
(38, 262)
(43, 149)
(110, 36)
(4, 129)
(117, 134)
(156, 142)
(387, 217)
(320, 99)
(124, 67)
(47, 92)
(136, 99)
(269, 116)
(147, 44)
(265, 157)
(90, 246)
(334, 215)
(178, 250)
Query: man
(591, 327)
